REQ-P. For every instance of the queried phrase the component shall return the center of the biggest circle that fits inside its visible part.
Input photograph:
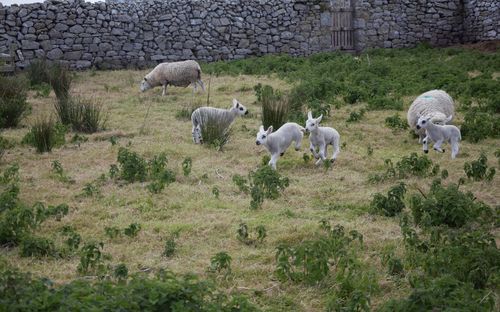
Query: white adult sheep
(436, 104)
(278, 142)
(223, 117)
(439, 134)
(179, 74)
(321, 137)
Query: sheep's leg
(298, 145)
(274, 159)
(201, 85)
(313, 151)
(164, 90)
(454, 148)
(437, 146)
(336, 150)
(322, 154)
(425, 144)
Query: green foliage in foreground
(164, 292)
(389, 205)
(478, 170)
(45, 135)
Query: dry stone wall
(126, 33)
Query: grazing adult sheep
(179, 74)
(320, 138)
(224, 118)
(278, 142)
(436, 104)
(439, 134)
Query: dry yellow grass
(208, 225)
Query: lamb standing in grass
(180, 74)
(439, 134)
(436, 104)
(321, 137)
(223, 117)
(278, 142)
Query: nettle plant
(262, 183)
(478, 170)
(221, 262)
(420, 166)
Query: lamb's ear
(236, 103)
(261, 128)
(270, 130)
(319, 118)
(309, 115)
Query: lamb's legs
(274, 159)
(425, 145)
(437, 146)
(322, 154)
(313, 151)
(201, 85)
(297, 145)
(164, 90)
(336, 151)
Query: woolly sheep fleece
(436, 104)
(179, 74)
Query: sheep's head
(145, 85)
(263, 135)
(239, 108)
(423, 122)
(312, 124)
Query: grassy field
(205, 224)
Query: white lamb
(439, 134)
(436, 104)
(180, 74)
(223, 117)
(278, 142)
(320, 138)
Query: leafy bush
(310, 261)
(478, 169)
(479, 125)
(13, 104)
(32, 246)
(132, 166)
(91, 259)
(408, 165)
(112, 231)
(275, 106)
(170, 246)
(356, 116)
(396, 123)
(447, 206)
(120, 272)
(163, 292)
(74, 239)
(132, 230)
(221, 262)
(381, 103)
(392, 204)
(45, 135)
(262, 183)
(4, 145)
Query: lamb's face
(423, 122)
(145, 85)
(312, 124)
(263, 135)
(240, 109)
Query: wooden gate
(342, 27)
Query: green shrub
(478, 169)
(73, 238)
(13, 104)
(132, 166)
(391, 205)
(241, 182)
(162, 292)
(91, 259)
(32, 246)
(310, 261)
(215, 130)
(221, 262)
(447, 206)
(408, 165)
(170, 247)
(381, 103)
(356, 116)
(4, 145)
(396, 123)
(479, 125)
(187, 164)
(45, 135)
(275, 107)
(120, 272)
(38, 72)
(132, 230)
(112, 231)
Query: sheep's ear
(236, 103)
(319, 118)
(309, 115)
(270, 130)
(261, 128)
